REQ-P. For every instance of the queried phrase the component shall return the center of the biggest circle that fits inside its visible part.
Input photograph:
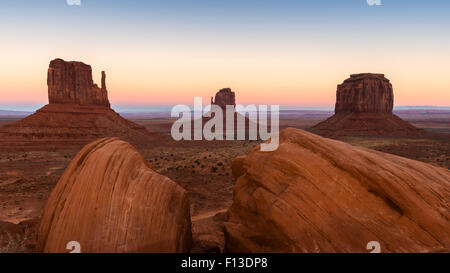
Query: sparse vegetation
(14, 244)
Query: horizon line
(167, 108)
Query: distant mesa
(78, 112)
(364, 104)
(71, 83)
(224, 97)
(315, 194)
(110, 200)
(365, 93)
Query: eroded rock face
(364, 104)
(71, 83)
(224, 97)
(78, 113)
(320, 195)
(18, 238)
(365, 93)
(109, 200)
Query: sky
(165, 52)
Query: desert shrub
(14, 244)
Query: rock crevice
(320, 195)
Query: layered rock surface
(241, 122)
(320, 195)
(364, 104)
(109, 200)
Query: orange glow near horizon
(304, 75)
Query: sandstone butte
(364, 104)
(321, 195)
(78, 112)
(224, 97)
(109, 200)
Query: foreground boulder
(320, 195)
(109, 200)
(365, 93)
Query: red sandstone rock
(109, 200)
(78, 112)
(365, 93)
(71, 82)
(237, 166)
(365, 124)
(320, 195)
(224, 97)
(364, 104)
(76, 123)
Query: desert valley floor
(202, 168)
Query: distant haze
(26, 110)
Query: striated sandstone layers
(109, 200)
(78, 112)
(71, 83)
(320, 195)
(364, 104)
